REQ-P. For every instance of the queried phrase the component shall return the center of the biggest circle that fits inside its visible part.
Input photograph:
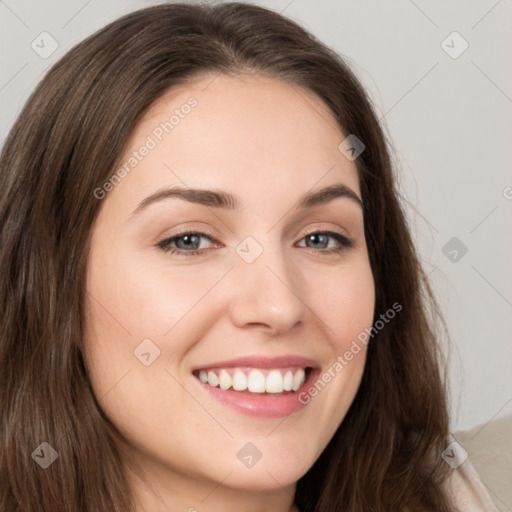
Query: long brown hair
(65, 144)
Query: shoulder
(466, 490)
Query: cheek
(132, 300)
(137, 297)
(344, 299)
(346, 309)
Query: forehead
(248, 133)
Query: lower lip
(260, 404)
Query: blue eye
(322, 238)
(188, 243)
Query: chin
(270, 477)
(280, 464)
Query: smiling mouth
(259, 381)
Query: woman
(211, 299)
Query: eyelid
(344, 242)
(187, 231)
(212, 235)
(325, 230)
(200, 232)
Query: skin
(255, 138)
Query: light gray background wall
(448, 112)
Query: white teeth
(288, 381)
(239, 381)
(255, 381)
(274, 382)
(225, 380)
(213, 380)
(298, 379)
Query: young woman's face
(261, 290)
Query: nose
(266, 294)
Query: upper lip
(262, 362)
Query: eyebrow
(224, 200)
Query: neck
(154, 494)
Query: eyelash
(343, 241)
